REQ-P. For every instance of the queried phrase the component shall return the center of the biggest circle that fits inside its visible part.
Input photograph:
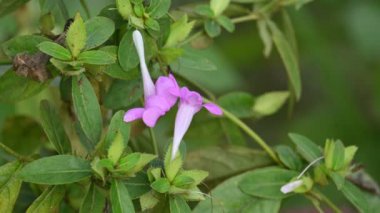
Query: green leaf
(265, 36)
(148, 201)
(138, 185)
(14, 88)
(226, 23)
(222, 162)
(212, 28)
(168, 55)
(349, 154)
(161, 185)
(197, 177)
(48, 201)
(172, 166)
(266, 183)
(338, 179)
(152, 24)
(127, 53)
(125, 8)
(305, 147)
(218, 6)
(355, 196)
(334, 155)
(23, 44)
(120, 200)
(55, 50)
(99, 30)
(134, 162)
(114, 70)
(227, 197)
(122, 94)
(53, 127)
(269, 103)
(59, 169)
(183, 181)
(117, 148)
(94, 201)
(289, 158)
(238, 103)
(204, 10)
(191, 59)
(158, 8)
(289, 31)
(179, 31)
(117, 124)
(10, 186)
(178, 205)
(76, 36)
(87, 108)
(97, 57)
(289, 58)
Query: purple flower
(159, 98)
(190, 103)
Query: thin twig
(250, 133)
(13, 153)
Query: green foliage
(76, 36)
(94, 201)
(14, 88)
(97, 162)
(120, 199)
(48, 201)
(55, 50)
(10, 185)
(87, 109)
(53, 128)
(266, 183)
(59, 169)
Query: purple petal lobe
(133, 114)
(151, 115)
(213, 109)
(157, 101)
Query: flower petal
(133, 114)
(213, 109)
(182, 122)
(151, 115)
(149, 88)
(289, 187)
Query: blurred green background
(339, 53)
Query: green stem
(325, 199)
(154, 141)
(250, 132)
(250, 17)
(13, 153)
(85, 7)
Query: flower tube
(190, 103)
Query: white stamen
(289, 187)
(308, 166)
(149, 88)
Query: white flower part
(289, 187)
(182, 122)
(149, 88)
